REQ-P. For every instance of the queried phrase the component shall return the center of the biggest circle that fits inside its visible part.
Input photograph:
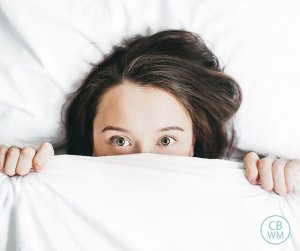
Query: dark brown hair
(176, 61)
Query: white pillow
(47, 46)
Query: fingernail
(290, 188)
(39, 168)
(252, 181)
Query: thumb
(251, 161)
(44, 153)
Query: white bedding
(47, 46)
(145, 202)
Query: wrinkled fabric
(140, 202)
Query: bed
(147, 201)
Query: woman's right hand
(14, 160)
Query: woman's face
(134, 119)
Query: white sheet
(142, 202)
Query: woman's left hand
(277, 173)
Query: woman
(165, 94)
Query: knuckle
(27, 151)
(293, 164)
(36, 162)
(262, 164)
(48, 146)
(13, 151)
(250, 155)
(3, 150)
(276, 167)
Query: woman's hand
(272, 172)
(14, 160)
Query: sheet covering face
(141, 202)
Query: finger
(278, 167)
(3, 151)
(250, 160)
(11, 161)
(265, 172)
(25, 160)
(44, 153)
(292, 167)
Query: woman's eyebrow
(170, 128)
(115, 128)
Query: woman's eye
(119, 141)
(165, 141)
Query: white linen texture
(140, 202)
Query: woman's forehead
(130, 102)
